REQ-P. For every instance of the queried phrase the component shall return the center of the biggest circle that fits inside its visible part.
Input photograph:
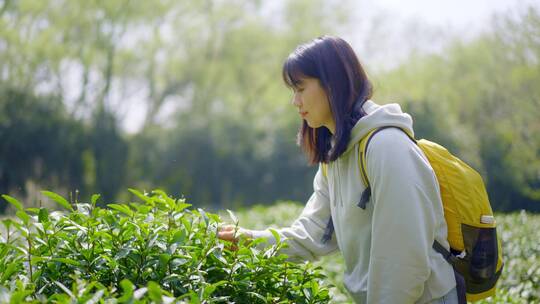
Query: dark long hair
(333, 62)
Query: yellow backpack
(475, 251)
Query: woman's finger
(227, 235)
(227, 227)
(233, 234)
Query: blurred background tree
(213, 118)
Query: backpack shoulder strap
(362, 150)
(362, 161)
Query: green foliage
(519, 232)
(39, 142)
(159, 250)
(521, 277)
(110, 152)
(43, 144)
(222, 168)
(429, 122)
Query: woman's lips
(303, 114)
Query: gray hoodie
(387, 246)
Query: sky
(463, 14)
(424, 25)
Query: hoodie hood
(379, 116)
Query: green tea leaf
(314, 287)
(179, 237)
(95, 199)
(276, 235)
(66, 261)
(122, 208)
(96, 297)
(164, 259)
(175, 262)
(40, 241)
(65, 289)
(20, 295)
(123, 253)
(214, 217)
(260, 297)
(181, 205)
(10, 270)
(204, 216)
(154, 291)
(187, 224)
(43, 215)
(194, 297)
(128, 289)
(59, 199)
(7, 223)
(233, 217)
(143, 197)
(32, 210)
(23, 230)
(13, 201)
(23, 216)
(165, 198)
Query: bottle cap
(487, 219)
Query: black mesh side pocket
(484, 255)
(480, 264)
(477, 264)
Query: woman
(386, 244)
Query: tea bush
(159, 250)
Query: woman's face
(313, 105)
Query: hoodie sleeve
(403, 227)
(304, 235)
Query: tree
(39, 143)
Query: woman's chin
(311, 124)
(315, 126)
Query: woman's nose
(296, 101)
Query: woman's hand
(233, 234)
